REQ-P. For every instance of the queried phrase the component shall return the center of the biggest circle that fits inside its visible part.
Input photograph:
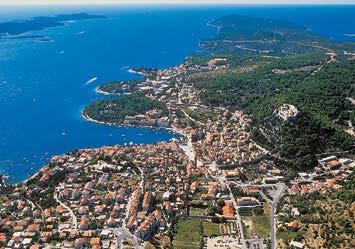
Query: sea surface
(42, 84)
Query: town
(213, 186)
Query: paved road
(192, 119)
(222, 180)
(256, 243)
(272, 215)
(72, 215)
(122, 234)
(188, 150)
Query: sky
(45, 2)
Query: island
(266, 157)
(14, 29)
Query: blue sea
(42, 84)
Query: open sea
(42, 84)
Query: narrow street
(72, 215)
(123, 233)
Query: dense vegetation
(115, 110)
(239, 27)
(347, 193)
(117, 87)
(240, 90)
(321, 96)
(248, 35)
(326, 220)
(259, 82)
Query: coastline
(83, 115)
(97, 90)
(89, 119)
(215, 26)
(131, 70)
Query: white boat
(91, 80)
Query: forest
(115, 110)
(322, 98)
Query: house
(250, 191)
(228, 210)
(83, 210)
(34, 247)
(293, 225)
(295, 212)
(95, 242)
(33, 228)
(105, 234)
(167, 207)
(27, 242)
(84, 223)
(231, 175)
(166, 196)
(111, 222)
(147, 200)
(131, 223)
(296, 245)
(2, 239)
(145, 230)
(247, 201)
(81, 243)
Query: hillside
(240, 34)
(115, 110)
(291, 65)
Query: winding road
(72, 215)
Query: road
(72, 215)
(256, 243)
(123, 233)
(272, 215)
(328, 51)
(188, 150)
(222, 180)
(192, 119)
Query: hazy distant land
(18, 27)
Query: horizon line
(170, 3)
